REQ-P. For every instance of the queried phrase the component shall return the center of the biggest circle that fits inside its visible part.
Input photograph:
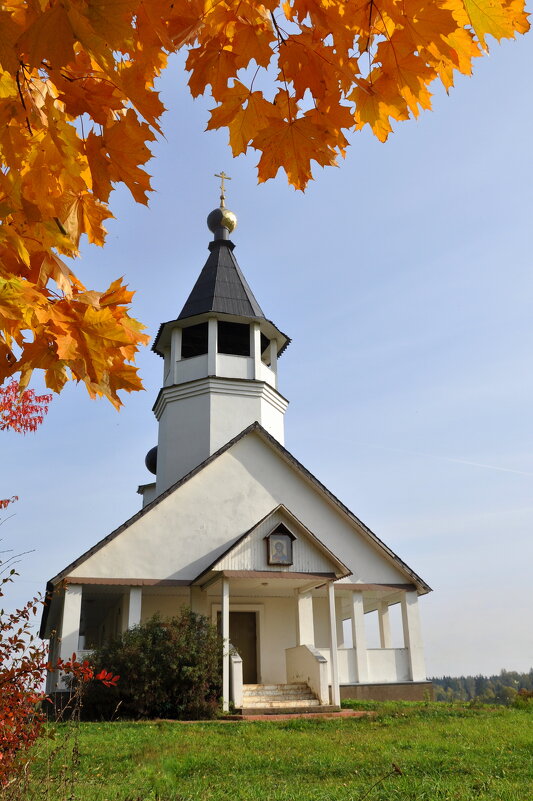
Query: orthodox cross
(223, 177)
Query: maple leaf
(49, 38)
(408, 71)
(125, 142)
(85, 90)
(309, 65)
(82, 213)
(502, 20)
(141, 92)
(299, 141)
(51, 267)
(211, 65)
(99, 165)
(244, 113)
(376, 102)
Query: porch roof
(264, 582)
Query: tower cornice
(219, 386)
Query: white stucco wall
(164, 605)
(235, 405)
(183, 440)
(321, 622)
(186, 531)
(196, 419)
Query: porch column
(225, 652)
(412, 635)
(70, 625)
(385, 638)
(335, 693)
(339, 616)
(306, 629)
(134, 606)
(359, 637)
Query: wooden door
(243, 637)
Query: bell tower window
(194, 341)
(233, 338)
(265, 349)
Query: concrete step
(280, 704)
(275, 687)
(258, 699)
(278, 696)
(256, 712)
(276, 693)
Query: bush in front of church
(168, 668)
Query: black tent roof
(221, 286)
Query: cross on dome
(222, 221)
(223, 177)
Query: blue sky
(404, 279)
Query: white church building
(236, 528)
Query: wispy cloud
(455, 460)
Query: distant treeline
(505, 688)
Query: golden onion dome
(221, 218)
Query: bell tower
(220, 364)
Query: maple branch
(291, 117)
(60, 226)
(279, 34)
(17, 78)
(253, 79)
(370, 10)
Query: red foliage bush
(23, 656)
(21, 410)
(23, 669)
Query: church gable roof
(221, 286)
(282, 452)
(249, 552)
(181, 562)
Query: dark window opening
(265, 347)
(194, 341)
(234, 338)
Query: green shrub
(524, 700)
(168, 668)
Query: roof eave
(282, 338)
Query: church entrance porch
(313, 630)
(266, 604)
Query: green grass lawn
(447, 752)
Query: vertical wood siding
(251, 553)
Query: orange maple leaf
(298, 142)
